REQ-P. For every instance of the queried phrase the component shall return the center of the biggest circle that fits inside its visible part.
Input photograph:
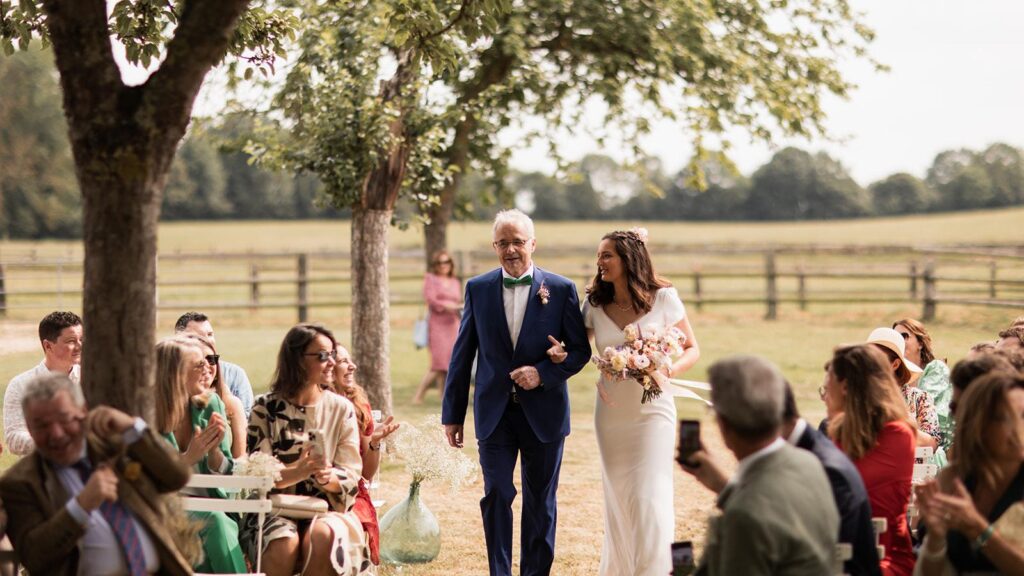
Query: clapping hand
(205, 441)
(943, 512)
(557, 352)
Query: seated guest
(280, 425)
(191, 418)
(1012, 339)
(973, 367)
(875, 431)
(934, 379)
(60, 334)
(369, 445)
(76, 506)
(233, 374)
(981, 348)
(962, 508)
(778, 513)
(233, 410)
(919, 403)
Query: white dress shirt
(94, 548)
(515, 300)
(798, 431)
(16, 436)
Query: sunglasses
(212, 359)
(324, 355)
(906, 336)
(439, 262)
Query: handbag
(421, 333)
(297, 507)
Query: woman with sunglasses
(443, 293)
(294, 422)
(191, 418)
(872, 427)
(934, 380)
(973, 508)
(233, 408)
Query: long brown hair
(985, 403)
(641, 280)
(917, 330)
(355, 393)
(872, 398)
(172, 374)
(290, 372)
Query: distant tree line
(212, 179)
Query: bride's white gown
(636, 444)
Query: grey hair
(749, 394)
(46, 386)
(516, 217)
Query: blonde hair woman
(182, 377)
(873, 428)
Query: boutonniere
(543, 293)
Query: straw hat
(892, 340)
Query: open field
(799, 341)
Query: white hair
(749, 394)
(46, 386)
(515, 217)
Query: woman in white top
(636, 440)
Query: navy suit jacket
(851, 500)
(484, 330)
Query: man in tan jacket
(90, 507)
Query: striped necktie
(121, 522)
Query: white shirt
(16, 436)
(798, 431)
(95, 557)
(515, 300)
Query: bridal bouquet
(644, 357)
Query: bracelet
(372, 447)
(984, 537)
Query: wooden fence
(705, 275)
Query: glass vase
(409, 532)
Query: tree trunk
(371, 333)
(123, 140)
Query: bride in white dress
(636, 440)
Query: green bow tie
(513, 282)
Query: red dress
(364, 509)
(443, 323)
(887, 470)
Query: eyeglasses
(324, 355)
(446, 261)
(821, 392)
(504, 244)
(212, 359)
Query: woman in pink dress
(443, 293)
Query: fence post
(913, 280)
(254, 287)
(801, 287)
(992, 279)
(302, 285)
(928, 313)
(771, 288)
(697, 289)
(3, 292)
(462, 260)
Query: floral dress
(922, 410)
(281, 428)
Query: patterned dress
(281, 428)
(922, 410)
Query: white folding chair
(843, 552)
(924, 454)
(880, 525)
(260, 506)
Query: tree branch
(200, 42)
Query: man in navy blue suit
(516, 318)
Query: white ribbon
(682, 389)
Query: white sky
(956, 80)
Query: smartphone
(689, 441)
(316, 438)
(682, 558)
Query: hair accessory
(640, 234)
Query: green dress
(935, 381)
(223, 553)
